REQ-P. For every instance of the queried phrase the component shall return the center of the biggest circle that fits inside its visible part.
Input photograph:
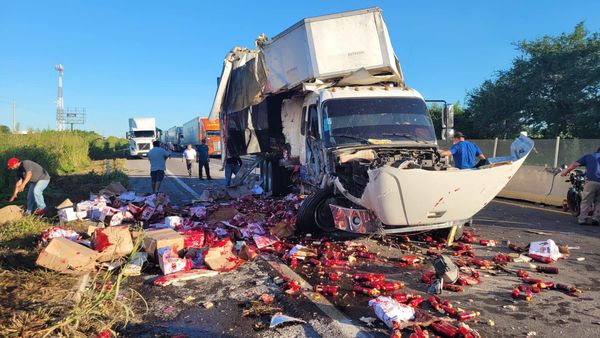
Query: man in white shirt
(158, 158)
(189, 155)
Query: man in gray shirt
(30, 172)
(157, 157)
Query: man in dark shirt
(232, 166)
(591, 190)
(203, 160)
(30, 172)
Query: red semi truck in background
(199, 128)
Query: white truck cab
(142, 132)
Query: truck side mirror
(447, 134)
(448, 116)
(127, 135)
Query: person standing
(466, 154)
(232, 166)
(203, 160)
(189, 156)
(158, 158)
(30, 172)
(591, 189)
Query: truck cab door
(314, 159)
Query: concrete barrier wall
(537, 184)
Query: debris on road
(280, 319)
(204, 239)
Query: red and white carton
(169, 261)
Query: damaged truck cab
(324, 107)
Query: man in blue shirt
(591, 190)
(466, 154)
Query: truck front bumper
(363, 221)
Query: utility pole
(14, 128)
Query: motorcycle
(577, 179)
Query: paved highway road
(139, 178)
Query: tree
(4, 129)
(552, 89)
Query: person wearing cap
(591, 190)
(466, 154)
(203, 160)
(38, 179)
(189, 156)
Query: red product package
(193, 238)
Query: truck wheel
(314, 216)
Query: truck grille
(143, 146)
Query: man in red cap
(30, 172)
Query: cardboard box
(161, 238)
(112, 242)
(66, 215)
(170, 262)
(66, 256)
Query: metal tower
(60, 104)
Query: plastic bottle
(371, 277)
(326, 289)
(450, 310)
(415, 301)
(366, 291)
(391, 286)
(548, 269)
(452, 287)
(541, 259)
(334, 276)
(444, 329)
(466, 315)
(522, 273)
(400, 297)
(434, 304)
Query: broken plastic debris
(279, 319)
(368, 320)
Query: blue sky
(162, 58)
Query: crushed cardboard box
(161, 238)
(10, 213)
(112, 242)
(66, 256)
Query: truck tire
(314, 217)
(276, 179)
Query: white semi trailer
(324, 107)
(142, 132)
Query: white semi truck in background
(324, 108)
(142, 132)
(174, 136)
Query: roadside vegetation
(35, 302)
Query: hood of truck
(417, 197)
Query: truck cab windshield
(143, 133)
(376, 118)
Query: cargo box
(330, 46)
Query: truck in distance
(142, 132)
(200, 128)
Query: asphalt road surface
(179, 309)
